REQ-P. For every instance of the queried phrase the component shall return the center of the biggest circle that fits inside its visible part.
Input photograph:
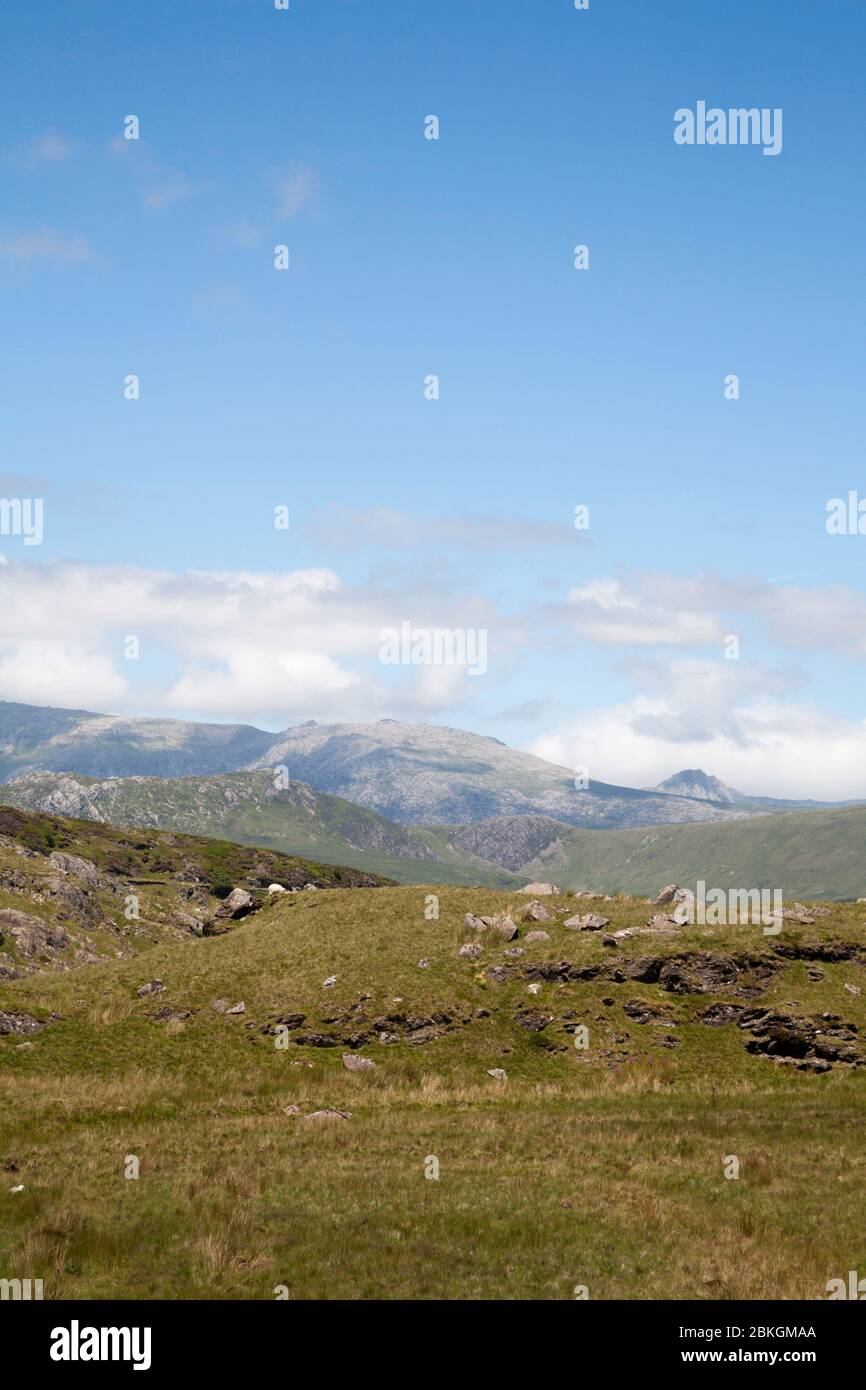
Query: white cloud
(734, 722)
(240, 646)
(608, 613)
(698, 610)
(52, 672)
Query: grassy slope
(299, 821)
(816, 854)
(601, 1168)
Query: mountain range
(414, 774)
(420, 804)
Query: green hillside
(204, 1065)
(253, 808)
(814, 854)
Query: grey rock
(591, 922)
(352, 1062)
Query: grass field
(600, 1167)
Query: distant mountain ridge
(414, 774)
(693, 782)
(702, 786)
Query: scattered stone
(533, 1020)
(152, 987)
(167, 1015)
(609, 941)
(475, 923)
(533, 988)
(639, 1011)
(699, 972)
(31, 935)
(498, 1073)
(220, 1005)
(240, 1008)
(275, 888)
(791, 1038)
(238, 903)
(20, 1023)
(328, 1115)
(670, 894)
(540, 890)
(354, 1063)
(853, 989)
(513, 951)
(330, 982)
(292, 1110)
(471, 950)
(665, 926)
(83, 869)
(536, 912)
(424, 964)
(591, 922)
(719, 1014)
(537, 936)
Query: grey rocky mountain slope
(424, 774)
(415, 774)
(245, 806)
(702, 786)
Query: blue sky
(455, 257)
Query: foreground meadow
(599, 1168)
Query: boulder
(539, 890)
(536, 912)
(498, 1073)
(471, 950)
(83, 869)
(238, 903)
(20, 1023)
(31, 935)
(152, 987)
(354, 1063)
(668, 895)
(591, 922)
(537, 936)
(504, 927)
